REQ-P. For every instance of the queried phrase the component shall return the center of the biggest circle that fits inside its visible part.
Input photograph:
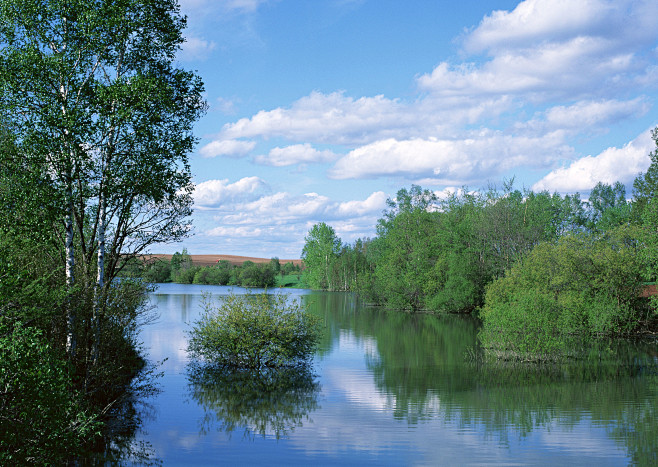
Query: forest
(535, 267)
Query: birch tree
(91, 92)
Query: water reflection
(267, 403)
(396, 388)
(421, 365)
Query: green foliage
(254, 331)
(256, 275)
(439, 255)
(645, 209)
(321, 248)
(409, 252)
(608, 207)
(295, 281)
(42, 419)
(290, 268)
(157, 271)
(96, 131)
(582, 285)
(645, 185)
(249, 274)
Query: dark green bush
(254, 331)
(42, 419)
(582, 286)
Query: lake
(394, 388)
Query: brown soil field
(210, 260)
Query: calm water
(398, 389)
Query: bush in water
(254, 331)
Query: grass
(293, 281)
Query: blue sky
(320, 110)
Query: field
(210, 260)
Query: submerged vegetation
(254, 331)
(539, 269)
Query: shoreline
(211, 260)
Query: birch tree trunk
(100, 278)
(71, 341)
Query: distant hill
(209, 260)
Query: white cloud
(580, 66)
(283, 206)
(281, 220)
(228, 147)
(327, 118)
(195, 48)
(482, 155)
(549, 48)
(534, 20)
(295, 154)
(375, 203)
(585, 116)
(612, 165)
(593, 113)
(215, 193)
(249, 232)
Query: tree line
(95, 131)
(579, 266)
(181, 270)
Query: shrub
(42, 419)
(582, 286)
(254, 331)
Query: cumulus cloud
(232, 231)
(548, 48)
(534, 20)
(215, 193)
(228, 147)
(327, 118)
(585, 116)
(295, 154)
(269, 214)
(611, 165)
(593, 113)
(577, 56)
(312, 206)
(287, 207)
(580, 66)
(449, 160)
(376, 202)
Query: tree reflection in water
(429, 367)
(271, 402)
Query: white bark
(71, 341)
(100, 277)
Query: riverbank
(211, 260)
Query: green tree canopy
(320, 250)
